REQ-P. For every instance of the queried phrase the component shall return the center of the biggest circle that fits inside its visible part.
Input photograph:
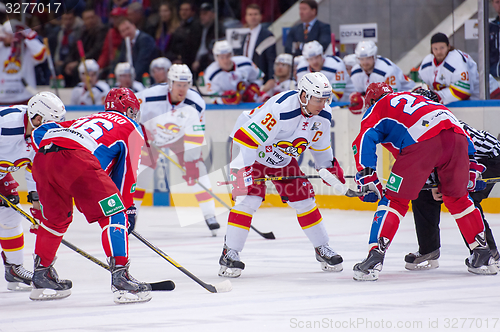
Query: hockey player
(159, 69)
(92, 160)
(332, 66)
(282, 78)
(452, 74)
(80, 95)
(173, 115)
(232, 78)
(373, 68)
(422, 135)
(125, 77)
(17, 122)
(350, 61)
(20, 52)
(270, 138)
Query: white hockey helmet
(124, 68)
(48, 105)
(284, 58)
(315, 85)
(312, 49)
(92, 67)
(222, 47)
(365, 49)
(297, 59)
(350, 60)
(179, 73)
(161, 62)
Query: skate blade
(46, 294)
(372, 275)
(227, 272)
(331, 268)
(126, 297)
(214, 232)
(224, 287)
(425, 265)
(483, 270)
(18, 286)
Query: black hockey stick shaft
(489, 180)
(269, 236)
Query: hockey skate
(496, 257)
(481, 261)
(369, 269)
(46, 283)
(212, 224)
(125, 288)
(230, 264)
(417, 261)
(329, 259)
(18, 278)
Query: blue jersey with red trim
(399, 120)
(113, 138)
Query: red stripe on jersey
(40, 55)
(193, 139)
(459, 94)
(203, 197)
(241, 137)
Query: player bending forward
(17, 123)
(87, 160)
(270, 138)
(422, 135)
(173, 115)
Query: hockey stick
(273, 178)
(488, 181)
(156, 286)
(214, 95)
(51, 65)
(269, 236)
(87, 77)
(217, 288)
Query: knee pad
(247, 204)
(303, 205)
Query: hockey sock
(205, 200)
(466, 215)
(12, 243)
(47, 242)
(310, 219)
(115, 237)
(386, 220)
(238, 225)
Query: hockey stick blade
(338, 186)
(166, 285)
(269, 236)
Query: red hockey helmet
(122, 100)
(375, 91)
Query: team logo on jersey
(316, 125)
(240, 86)
(293, 149)
(269, 148)
(169, 128)
(8, 167)
(12, 65)
(438, 86)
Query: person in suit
(143, 47)
(308, 29)
(260, 44)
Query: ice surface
(281, 289)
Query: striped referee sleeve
(486, 144)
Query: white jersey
(455, 78)
(244, 70)
(167, 123)
(384, 71)
(136, 86)
(282, 86)
(80, 95)
(12, 89)
(277, 131)
(334, 69)
(16, 150)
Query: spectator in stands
(92, 36)
(495, 41)
(259, 45)
(187, 38)
(135, 13)
(80, 94)
(143, 47)
(125, 77)
(270, 10)
(204, 56)
(308, 30)
(451, 73)
(111, 46)
(169, 22)
(159, 69)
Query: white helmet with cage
(124, 68)
(92, 67)
(312, 49)
(161, 62)
(47, 105)
(222, 47)
(284, 58)
(350, 60)
(365, 49)
(315, 85)
(179, 73)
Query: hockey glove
(337, 171)
(475, 170)
(251, 94)
(192, 172)
(39, 217)
(243, 179)
(231, 97)
(356, 103)
(131, 214)
(14, 199)
(368, 178)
